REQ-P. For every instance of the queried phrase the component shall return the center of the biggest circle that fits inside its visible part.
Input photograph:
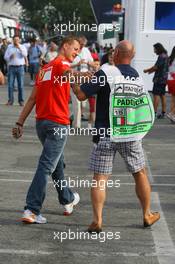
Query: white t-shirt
(50, 55)
(83, 55)
(171, 71)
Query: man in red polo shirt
(51, 96)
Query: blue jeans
(16, 72)
(51, 163)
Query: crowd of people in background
(17, 58)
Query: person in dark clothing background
(3, 64)
(160, 78)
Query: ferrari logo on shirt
(45, 74)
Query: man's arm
(73, 76)
(23, 50)
(90, 88)
(76, 78)
(9, 54)
(78, 92)
(151, 70)
(18, 130)
(77, 64)
(28, 107)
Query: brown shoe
(94, 228)
(151, 219)
(9, 103)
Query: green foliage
(42, 14)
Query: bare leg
(91, 119)
(172, 104)
(163, 101)
(143, 190)
(156, 102)
(98, 196)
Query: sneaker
(9, 103)
(68, 208)
(31, 218)
(21, 103)
(32, 83)
(161, 116)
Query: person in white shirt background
(43, 46)
(16, 55)
(52, 53)
(83, 62)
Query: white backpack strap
(111, 72)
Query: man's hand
(87, 76)
(17, 46)
(81, 62)
(17, 131)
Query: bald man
(117, 80)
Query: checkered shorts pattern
(103, 154)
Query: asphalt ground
(124, 240)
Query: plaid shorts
(103, 154)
